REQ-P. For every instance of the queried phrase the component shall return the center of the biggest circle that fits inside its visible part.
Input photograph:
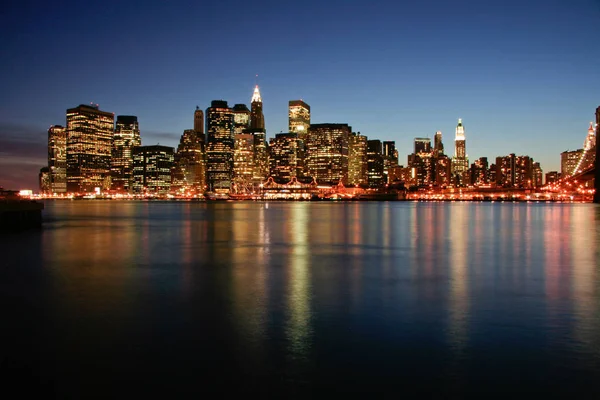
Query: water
(129, 299)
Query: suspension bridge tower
(597, 170)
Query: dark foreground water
(134, 299)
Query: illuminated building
(357, 159)
(552, 176)
(524, 172)
(89, 148)
(443, 170)
(375, 163)
(257, 128)
(327, 153)
(390, 158)
(243, 157)
(57, 158)
(480, 172)
(199, 122)
(283, 156)
(189, 171)
(152, 169)
(219, 146)
(514, 171)
(537, 175)
(299, 118)
(400, 174)
(460, 161)
(597, 174)
(569, 161)
(422, 162)
(44, 180)
(241, 118)
(126, 138)
(438, 146)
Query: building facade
(219, 146)
(299, 118)
(327, 153)
(376, 177)
(460, 161)
(569, 161)
(57, 158)
(357, 159)
(188, 177)
(257, 129)
(283, 156)
(126, 138)
(89, 148)
(152, 169)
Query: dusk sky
(523, 75)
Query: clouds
(23, 151)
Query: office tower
(327, 153)
(443, 170)
(375, 163)
(514, 171)
(89, 148)
(552, 176)
(57, 158)
(243, 158)
(44, 180)
(188, 177)
(257, 129)
(569, 161)
(241, 118)
(219, 146)
(422, 145)
(390, 158)
(283, 156)
(480, 172)
(126, 138)
(537, 174)
(357, 159)
(299, 118)
(199, 122)
(438, 146)
(523, 172)
(152, 169)
(460, 161)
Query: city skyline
(531, 87)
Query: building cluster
(227, 151)
(573, 162)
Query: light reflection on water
(318, 295)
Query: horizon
(523, 77)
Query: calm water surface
(129, 299)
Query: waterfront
(124, 298)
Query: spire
(256, 95)
(460, 130)
(591, 129)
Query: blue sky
(523, 75)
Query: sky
(523, 75)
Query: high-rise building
(257, 128)
(283, 156)
(243, 158)
(422, 163)
(460, 161)
(357, 159)
(375, 164)
(57, 158)
(422, 145)
(443, 170)
(241, 118)
(89, 148)
(327, 152)
(44, 180)
(538, 175)
(505, 171)
(390, 158)
(188, 177)
(126, 138)
(524, 172)
(480, 172)
(552, 176)
(152, 169)
(569, 161)
(199, 122)
(219, 146)
(438, 146)
(299, 118)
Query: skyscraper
(327, 152)
(460, 161)
(422, 145)
(57, 158)
(375, 164)
(241, 118)
(438, 146)
(257, 129)
(188, 177)
(283, 157)
(299, 118)
(243, 152)
(357, 159)
(199, 122)
(126, 138)
(219, 146)
(89, 148)
(152, 169)
(422, 163)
